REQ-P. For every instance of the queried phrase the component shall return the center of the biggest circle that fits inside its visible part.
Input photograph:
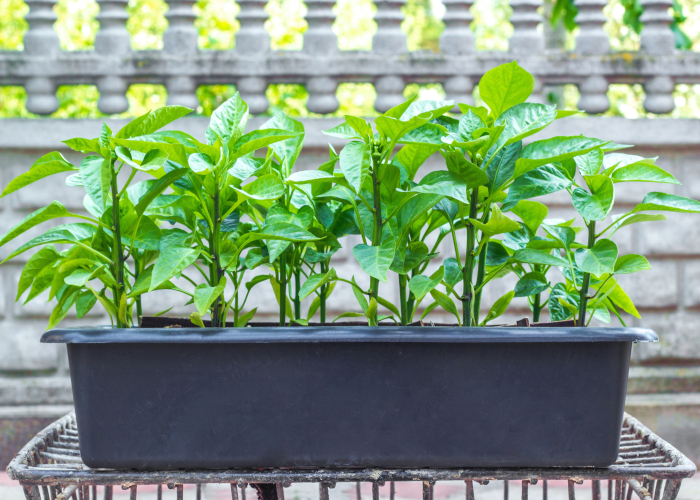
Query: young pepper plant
(95, 266)
(485, 150)
(375, 183)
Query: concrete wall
(668, 296)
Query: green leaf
(174, 257)
(541, 181)
(245, 318)
(412, 156)
(667, 203)
(84, 302)
(631, 263)
(252, 141)
(524, 120)
(558, 295)
(446, 303)
(36, 263)
(228, 121)
(65, 233)
(49, 164)
(394, 129)
(343, 131)
(598, 260)
(83, 145)
(176, 152)
(371, 311)
(409, 258)
(531, 284)
(532, 213)
(389, 306)
(453, 274)
(552, 150)
(196, 318)
(361, 300)
(427, 107)
(642, 172)
(597, 204)
(152, 121)
(505, 86)
(205, 295)
(429, 309)
(445, 184)
(501, 167)
(498, 307)
(497, 224)
(590, 163)
(266, 188)
(311, 177)
(200, 163)
(533, 256)
(458, 165)
(289, 149)
(375, 260)
(420, 285)
(157, 188)
(65, 302)
(348, 315)
(354, 163)
(564, 235)
(53, 211)
(634, 219)
(96, 177)
(316, 281)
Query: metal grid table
(49, 468)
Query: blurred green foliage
(354, 26)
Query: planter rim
(280, 335)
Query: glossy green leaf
(631, 263)
(228, 121)
(501, 167)
(53, 211)
(196, 318)
(375, 260)
(156, 189)
(524, 120)
(355, 163)
(598, 260)
(564, 235)
(664, 202)
(288, 149)
(531, 284)
(445, 184)
(420, 285)
(541, 181)
(410, 257)
(412, 156)
(597, 204)
(498, 307)
(205, 295)
(65, 233)
(532, 213)
(458, 165)
(557, 311)
(446, 303)
(311, 177)
(590, 163)
(552, 150)
(634, 219)
(316, 281)
(38, 262)
(174, 257)
(453, 274)
(176, 152)
(252, 141)
(505, 86)
(497, 224)
(533, 256)
(152, 121)
(642, 172)
(49, 164)
(201, 163)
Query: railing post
(41, 40)
(459, 89)
(180, 39)
(112, 40)
(526, 39)
(659, 95)
(657, 37)
(457, 39)
(592, 38)
(389, 38)
(389, 92)
(320, 41)
(252, 37)
(252, 90)
(594, 95)
(319, 38)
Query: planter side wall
(402, 405)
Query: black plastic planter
(402, 397)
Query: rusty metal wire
(49, 467)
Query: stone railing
(320, 66)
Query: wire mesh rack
(49, 467)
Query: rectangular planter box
(393, 397)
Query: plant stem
(480, 274)
(586, 278)
(297, 288)
(283, 288)
(404, 304)
(468, 271)
(215, 268)
(117, 253)
(235, 306)
(536, 308)
(137, 269)
(323, 295)
(377, 236)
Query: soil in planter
(167, 322)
